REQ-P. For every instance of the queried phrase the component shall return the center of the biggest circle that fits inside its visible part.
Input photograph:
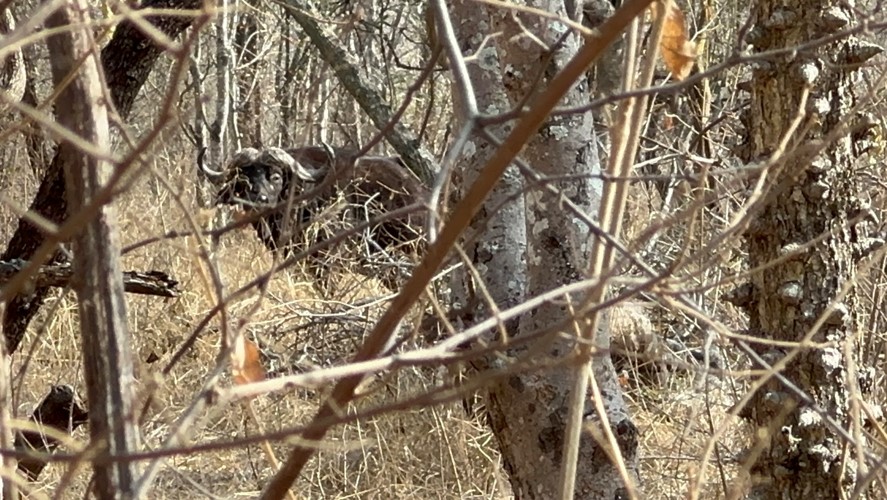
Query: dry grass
(429, 452)
(416, 452)
(434, 452)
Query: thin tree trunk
(107, 354)
(205, 191)
(7, 488)
(250, 82)
(224, 88)
(12, 68)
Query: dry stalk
(626, 137)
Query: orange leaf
(678, 51)
(246, 365)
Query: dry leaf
(246, 365)
(678, 51)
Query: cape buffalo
(301, 196)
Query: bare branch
(401, 139)
(381, 335)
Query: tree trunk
(499, 254)
(250, 82)
(127, 61)
(218, 144)
(107, 353)
(800, 456)
(205, 192)
(12, 68)
(8, 489)
(528, 411)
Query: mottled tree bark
(528, 411)
(499, 254)
(799, 455)
(127, 61)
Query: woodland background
(251, 74)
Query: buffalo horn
(240, 158)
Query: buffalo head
(256, 179)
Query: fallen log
(155, 283)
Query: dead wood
(156, 283)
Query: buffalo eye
(275, 177)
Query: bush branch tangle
(127, 61)
(381, 335)
(401, 139)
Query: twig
(401, 139)
(469, 105)
(626, 137)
